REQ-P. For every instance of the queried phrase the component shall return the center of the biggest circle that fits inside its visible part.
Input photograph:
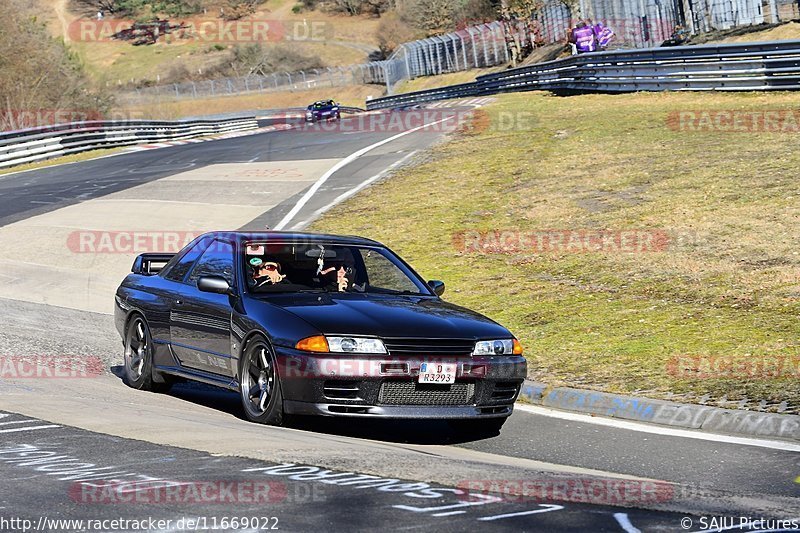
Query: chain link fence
(278, 82)
(635, 23)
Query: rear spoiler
(149, 264)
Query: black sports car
(312, 324)
(323, 110)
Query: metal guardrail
(727, 67)
(36, 144)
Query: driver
(266, 272)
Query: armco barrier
(727, 67)
(35, 144)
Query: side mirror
(437, 286)
(213, 284)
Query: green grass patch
(726, 286)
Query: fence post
(493, 37)
(463, 51)
(474, 47)
(485, 47)
(773, 8)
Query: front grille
(441, 347)
(413, 393)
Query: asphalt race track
(93, 449)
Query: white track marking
(355, 190)
(341, 164)
(31, 428)
(625, 523)
(546, 508)
(658, 430)
(18, 422)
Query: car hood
(401, 316)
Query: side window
(178, 270)
(383, 274)
(217, 260)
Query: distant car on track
(322, 110)
(311, 324)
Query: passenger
(343, 278)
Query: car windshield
(292, 267)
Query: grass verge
(713, 313)
(74, 158)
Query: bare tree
(40, 75)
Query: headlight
(355, 345)
(498, 347)
(322, 344)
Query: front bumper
(386, 386)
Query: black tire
(484, 427)
(259, 385)
(139, 373)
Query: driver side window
(182, 266)
(217, 260)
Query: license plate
(437, 373)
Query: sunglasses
(271, 268)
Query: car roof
(293, 236)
